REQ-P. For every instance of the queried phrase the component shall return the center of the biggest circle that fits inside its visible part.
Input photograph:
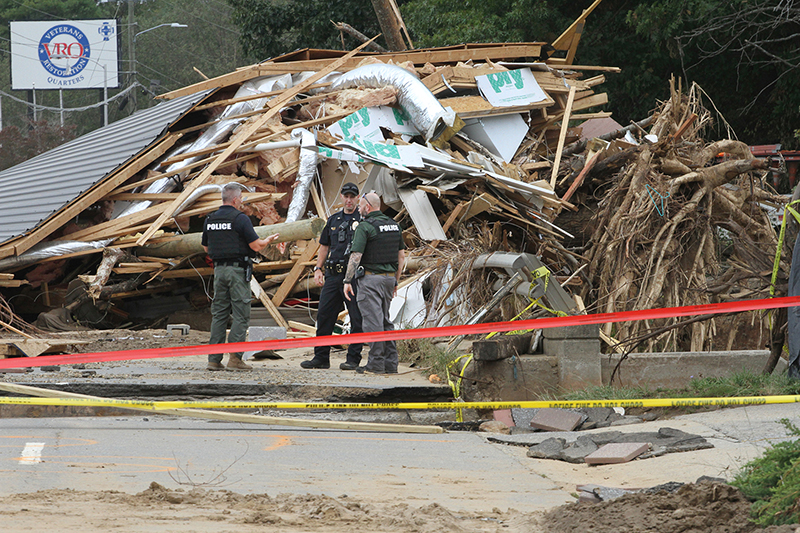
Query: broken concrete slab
(616, 452)
(501, 347)
(504, 416)
(593, 493)
(556, 419)
(598, 417)
(522, 416)
(665, 440)
(579, 450)
(547, 449)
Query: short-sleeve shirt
(241, 225)
(338, 223)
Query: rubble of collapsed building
(508, 211)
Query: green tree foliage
(20, 144)
(744, 53)
(448, 22)
(273, 27)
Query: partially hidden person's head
(349, 197)
(369, 202)
(232, 194)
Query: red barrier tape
(422, 333)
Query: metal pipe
(305, 175)
(424, 110)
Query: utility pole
(390, 26)
(132, 54)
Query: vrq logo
(64, 51)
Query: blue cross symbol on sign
(106, 30)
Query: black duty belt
(369, 272)
(335, 268)
(242, 264)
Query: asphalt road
(458, 470)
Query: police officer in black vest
(376, 262)
(334, 252)
(231, 241)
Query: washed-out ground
(694, 508)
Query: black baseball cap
(350, 188)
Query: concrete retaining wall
(572, 361)
(674, 370)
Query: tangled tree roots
(656, 242)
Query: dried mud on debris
(693, 508)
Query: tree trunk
(389, 25)
(192, 243)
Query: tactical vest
(224, 243)
(341, 237)
(383, 247)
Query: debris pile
(458, 142)
(471, 150)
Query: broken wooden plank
(450, 54)
(295, 273)
(562, 136)
(581, 176)
(273, 107)
(477, 106)
(259, 293)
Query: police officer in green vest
(231, 241)
(376, 258)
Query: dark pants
(331, 301)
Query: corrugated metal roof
(34, 190)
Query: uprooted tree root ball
(660, 222)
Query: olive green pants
(231, 299)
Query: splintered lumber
(11, 328)
(191, 243)
(448, 54)
(579, 179)
(571, 37)
(477, 106)
(259, 293)
(274, 107)
(226, 416)
(562, 136)
(296, 271)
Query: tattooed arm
(352, 265)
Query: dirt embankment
(701, 508)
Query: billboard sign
(70, 54)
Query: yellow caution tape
(456, 385)
(779, 248)
(541, 272)
(651, 402)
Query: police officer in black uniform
(334, 252)
(231, 241)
